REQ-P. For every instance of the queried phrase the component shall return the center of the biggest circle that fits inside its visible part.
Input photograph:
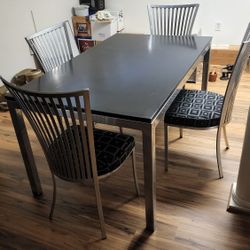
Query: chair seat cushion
(195, 108)
(112, 149)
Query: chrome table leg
(205, 70)
(149, 175)
(25, 148)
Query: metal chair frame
(227, 107)
(52, 46)
(65, 132)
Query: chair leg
(54, 197)
(218, 153)
(181, 132)
(99, 208)
(121, 131)
(134, 173)
(225, 137)
(166, 145)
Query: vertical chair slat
(168, 33)
(165, 23)
(68, 136)
(186, 22)
(190, 21)
(182, 21)
(171, 21)
(157, 21)
(67, 37)
(160, 14)
(87, 164)
(79, 139)
(71, 137)
(179, 21)
(151, 13)
(74, 137)
(176, 21)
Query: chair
(53, 46)
(75, 151)
(173, 20)
(196, 109)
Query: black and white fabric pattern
(111, 149)
(195, 108)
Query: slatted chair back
(52, 46)
(233, 83)
(172, 20)
(63, 130)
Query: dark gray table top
(129, 76)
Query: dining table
(132, 79)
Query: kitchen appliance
(95, 5)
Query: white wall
(16, 23)
(234, 16)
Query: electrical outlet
(218, 26)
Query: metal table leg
(205, 70)
(149, 175)
(26, 151)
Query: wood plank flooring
(191, 200)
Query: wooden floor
(191, 200)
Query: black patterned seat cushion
(195, 108)
(111, 148)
